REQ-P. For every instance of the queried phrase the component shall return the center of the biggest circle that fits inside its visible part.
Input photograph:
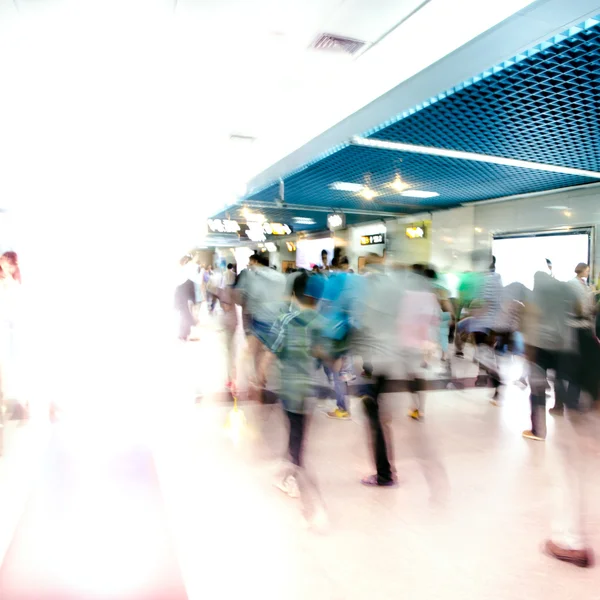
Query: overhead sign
(416, 232)
(277, 229)
(370, 240)
(255, 230)
(223, 226)
(336, 221)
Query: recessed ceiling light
(303, 221)
(419, 194)
(342, 186)
(368, 193)
(399, 185)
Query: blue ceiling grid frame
(542, 105)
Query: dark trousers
(370, 393)
(487, 341)
(296, 442)
(541, 361)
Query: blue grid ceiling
(541, 106)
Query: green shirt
(298, 333)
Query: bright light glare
(343, 186)
(419, 194)
(368, 194)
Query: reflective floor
(175, 507)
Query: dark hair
(419, 268)
(262, 259)
(430, 273)
(324, 251)
(13, 260)
(230, 266)
(299, 287)
(548, 262)
(344, 261)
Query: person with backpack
(298, 343)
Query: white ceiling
(111, 97)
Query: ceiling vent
(336, 43)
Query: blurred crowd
(410, 325)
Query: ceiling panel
(541, 106)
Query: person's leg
(371, 403)
(486, 359)
(340, 388)
(185, 323)
(445, 334)
(231, 356)
(538, 382)
(461, 334)
(296, 437)
(569, 460)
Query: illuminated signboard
(416, 232)
(336, 221)
(277, 229)
(223, 226)
(370, 240)
(255, 230)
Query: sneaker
(579, 558)
(288, 485)
(374, 481)
(522, 382)
(339, 414)
(496, 399)
(415, 414)
(459, 354)
(557, 412)
(528, 434)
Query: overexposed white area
(518, 259)
(134, 101)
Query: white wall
(354, 249)
(452, 237)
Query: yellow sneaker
(338, 413)
(415, 414)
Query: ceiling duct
(329, 42)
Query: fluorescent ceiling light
(303, 221)
(419, 194)
(342, 186)
(496, 160)
(557, 207)
(271, 247)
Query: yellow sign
(415, 233)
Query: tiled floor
(235, 535)
(384, 543)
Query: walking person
(185, 299)
(583, 324)
(297, 343)
(551, 344)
